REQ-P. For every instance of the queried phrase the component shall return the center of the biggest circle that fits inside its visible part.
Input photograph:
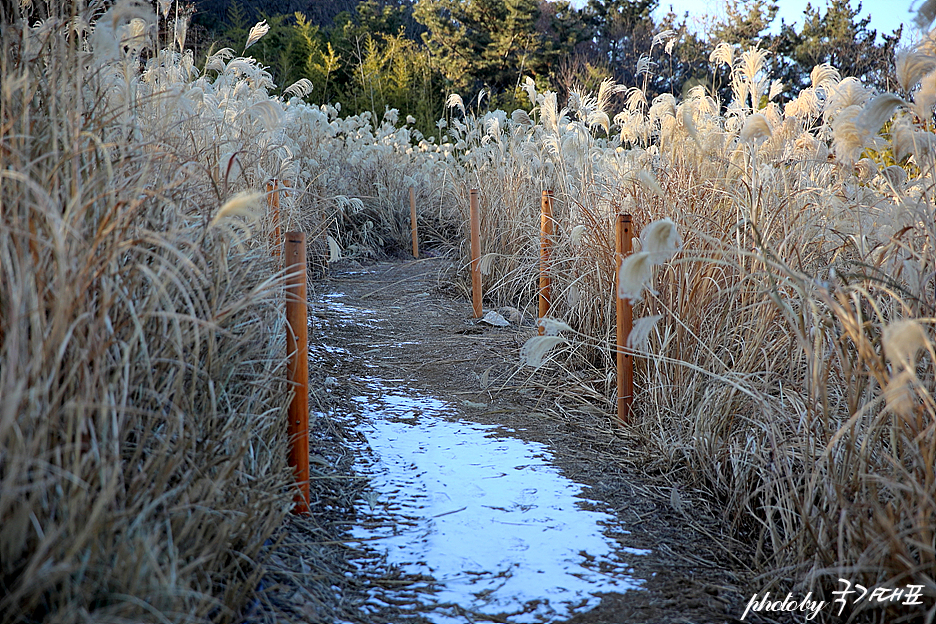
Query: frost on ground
(488, 517)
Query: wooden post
(297, 346)
(625, 360)
(412, 217)
(546, 232)
(475, 253)
(273, 201)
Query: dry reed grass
(791, 372)
(142, 451)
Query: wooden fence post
(625, 360)
(546, 232)
(412, 213)
(475, 252)
(297, 346)
(273, 201)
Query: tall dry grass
(142, 456)
(791, 370)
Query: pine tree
(488, 43)
(841, 37)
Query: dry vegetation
(141, 451)
(790, 372)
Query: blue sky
(886, 15)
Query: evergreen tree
(841, 37)
(493, 43)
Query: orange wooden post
(273, 201)
(475, 253)
(281, 194)
(625, 360)
(412, 216)
(546, 232)
(297, 345)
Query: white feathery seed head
(256, 33)
(688, 122)
(334, 249)
(552, 327)
(636, 271)
(755, 129)
(723, 54)
(243, 204)
(877, 112)
(650, 182)
(486, 263)
(300, 88)
(912, 64)
(926, 13)
(902, 341)
(455, 101)
(824, 75)
(661, 240)
(530, 88)
(534, 350)
(521, 118)
(639, 337)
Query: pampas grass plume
(534, 350)
(259, 29)
(661, 240)
(640, 332)
(723, 54)
(877, 112)
(521, 118)
(755, 129)
(552, 327)
(902, 342)
(455, 100)
(636, 271)
(334, 249)
(650, 183)
(486, 263)
(824, 75)
(241, 205)
(911, 65)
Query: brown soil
(695, 573)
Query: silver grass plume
(755, 129)
(300, 88)
(455, 101)
(649, 182)
(902, 341)
(533, 352)
(552, 327)
(824, 75)
(912, 64)
(723, 54)
(925, 14)
(639, 337)
(259, 29)
(661, 240)
(636, 271)
(877, 112)
(530, 88)
(241, 205)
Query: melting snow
(486, 515)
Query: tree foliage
(410, 55)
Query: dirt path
(393, 331)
